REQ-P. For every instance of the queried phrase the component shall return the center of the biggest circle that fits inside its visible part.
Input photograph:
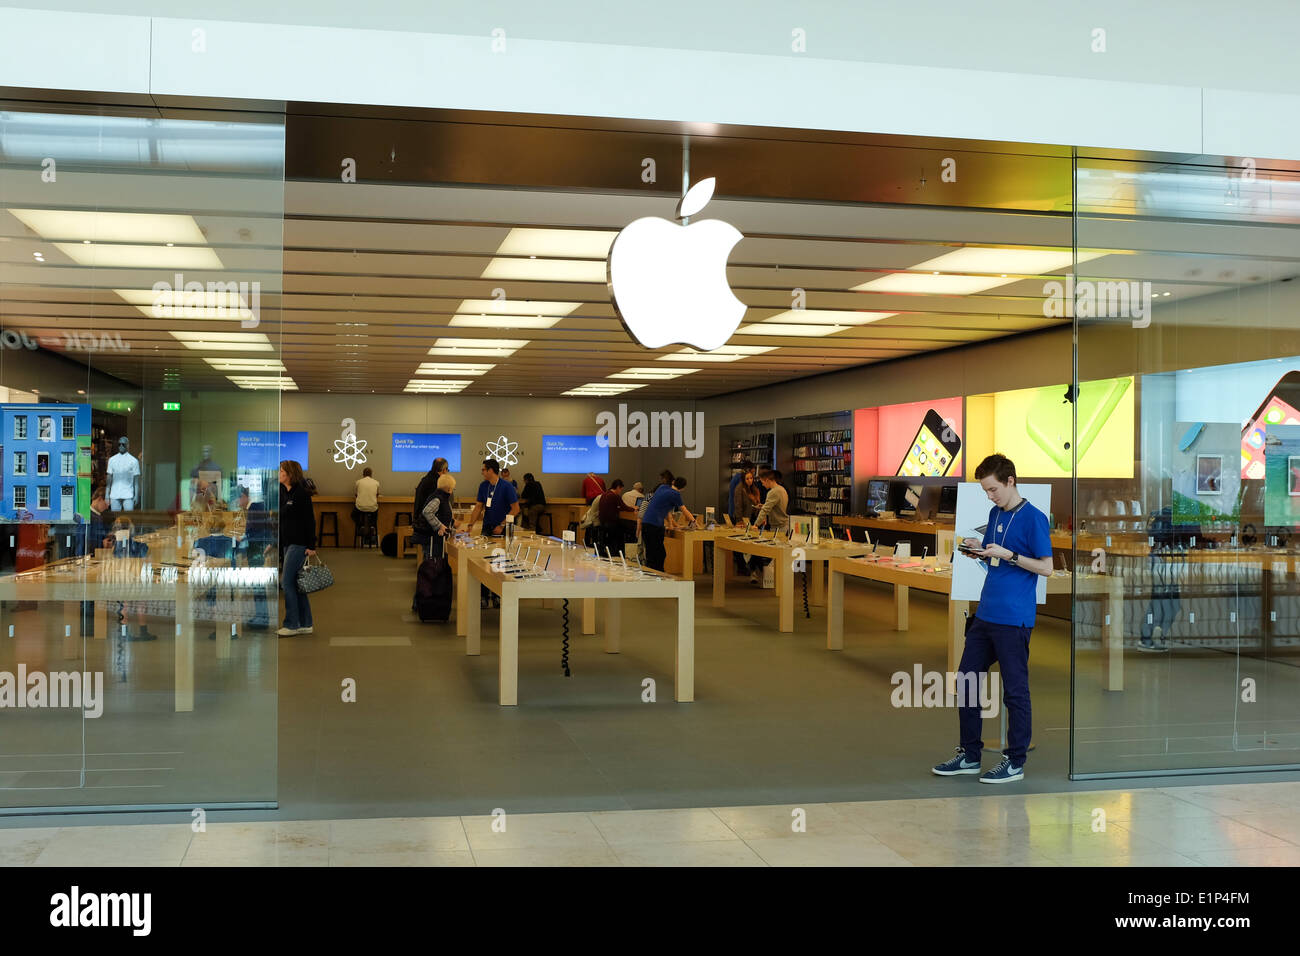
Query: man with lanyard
(496, 499)
(1017, 547)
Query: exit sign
(171, 406)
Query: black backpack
(433, 590)
(388, 545)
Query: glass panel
(1186, 589)
(138, 254)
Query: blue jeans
(1009, 646)
(297, 609)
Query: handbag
(314, 577)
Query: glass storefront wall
(140, 268)
(1187, 609)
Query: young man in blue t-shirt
(1017, 548)
(666, 499)
(496, 499)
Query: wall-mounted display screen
(263, 451)
(1034, 427)
(915, 440)
(415, 451)
(573, 455)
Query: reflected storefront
(131, 567)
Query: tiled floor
(1229, 825)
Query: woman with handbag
(297, 544)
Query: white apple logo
(669, 282)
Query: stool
(366, 530)
(333, 532)
(397, 518)
(550, 527)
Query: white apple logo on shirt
(669, 282)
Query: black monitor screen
(912, 497)
(877, 496)
(903, 496)
(948, 500)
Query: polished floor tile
(628, 827)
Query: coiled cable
(564, 653)
(806, 612)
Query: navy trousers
(1009, 646)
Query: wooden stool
(333, 531)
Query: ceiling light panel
(225, 341)
(245, 365)
(478, 348)
(515, 307)
(449, 368)
(772, 328)
(137, 227)
(601, 389)
(1004, 265)
(504, 322)
(546, 270)
(657, 374)
(562, 243)
(187, 305)
(102, 256)
(828, 317)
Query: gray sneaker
(957, 765)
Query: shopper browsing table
(774, 514)
(610, 514)
(666, 499)
(496, 499)
(533, 501)
(1017, 548)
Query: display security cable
(564, 652)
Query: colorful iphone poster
(973, 507)
(1035, 428)
(1282, 477)
(915, 439)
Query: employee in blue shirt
(1017, 549)
(496, 499)
(666, 499)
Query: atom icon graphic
(350, 451)
(503, 450)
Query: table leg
(719, 577)
(817, 569)
(785, 588)
(688, 559)
(508, 666)
(684, 678)
(225, 631)
(1112, 649)
(900, 606)
(184, 648)
(835, 612)
(472, 617)
(462, 596)
(958, 611)
(588, 615)
(613, 618)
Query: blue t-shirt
(1010, 594)
(666, 499)
(503, 496)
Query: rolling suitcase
(433, 590)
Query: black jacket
(297, 518)
(425, 490)
(532, 494)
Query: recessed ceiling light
(503, 322)
(547, 270)
(129, 227)
(242, 365)
(601, 389)
(828, 317)
(105, 256)
(196, 304)
(563, 243)
(352, 325)
(515, 307)
(940, 281)
(449, 368)
(477, 347)
(667, 372)
(796, 331)
(225, 341)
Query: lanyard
(1014, 511)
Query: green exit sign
(171, 406)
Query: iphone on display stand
(1280, 407)
(930, 455)
(1049, 420)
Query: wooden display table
(939, 581)
(685, 550)
(782, 552)
(571, 575)
(562, 511)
